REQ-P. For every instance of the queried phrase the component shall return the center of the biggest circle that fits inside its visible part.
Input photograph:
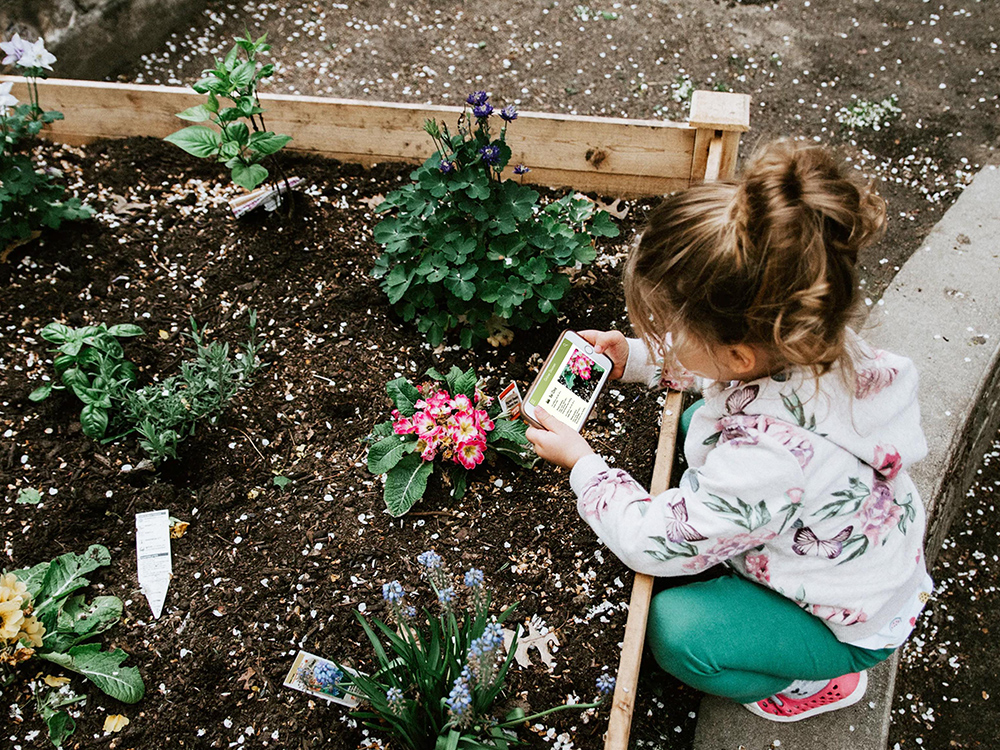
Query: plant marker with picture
(442, 420)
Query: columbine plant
(242, 140)
(30, 198)
(42, 617)
(438, 676)
(467, 249)
(91, 363)
(447, 420)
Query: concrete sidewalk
(943, 311)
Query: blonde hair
(767, 259)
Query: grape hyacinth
(605, 684)
(327, 675)
(459, 700)
(473, 578)
(446, 595)
(394, 697)
(430, 559)
(393, 592)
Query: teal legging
(731, 637)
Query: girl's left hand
(558, 443)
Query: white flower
(36, 56)
(15, 48)
(6, 100)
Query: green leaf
(197, 140)
(406, 483)
(281, 482)
(465, 384)
(103, 668)
(60, 725)
(57, 333)
(239, 132)
(94, 421)
(602, 226)
(385, 454)
(268, 143)
(125, 330)
(64, 575)
(198, 113)
(404, 395)
(41, 393)
(29, 496)
(248, 176)
(78, 621)
(243, 74)
(508, 429)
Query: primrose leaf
(385, 454)
(103, 668)
(197, 140)
(65, 574)
(465, 384)
(404, 395)
(406, 483)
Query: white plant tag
(153, 559)
(267, 196)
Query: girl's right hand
(611, 344)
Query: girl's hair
(766, 259)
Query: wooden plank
(623, 704)
(650, 156)
(699, 159)
(720, 110)
(713, 167)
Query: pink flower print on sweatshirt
(887, 461)
(838, 615)
(757, 565)
(873, 380)
(607, 487)
(728, 547)
(738, 429)
(879, 514)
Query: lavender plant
(437, 677)
(242, 140)
(467, 249)
(30, 197)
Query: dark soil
(261, 571)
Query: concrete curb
(943, 311)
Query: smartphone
(569, 382)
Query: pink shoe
(838, 693)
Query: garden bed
(263, 570)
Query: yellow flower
(11, 588)
(11, 619)
(33, 630)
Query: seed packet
(320, 678)
(510, 401)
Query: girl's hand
(613, 345)
(558, 443)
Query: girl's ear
(743, 358)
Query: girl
(797, 478)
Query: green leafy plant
(91, 363)
(242, 140)
(467, 249)
(445, 420)
(30, 197)
(437, 677)
(43, 616)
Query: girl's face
(720, 362)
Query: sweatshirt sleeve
(745, 494)
(642, 368)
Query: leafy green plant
(437, 678)
(467, 249)
(242, 140)
(91, 363)
(43, 616)
(441, 421)
(30, 197)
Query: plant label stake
(268, 197)
(152, 554)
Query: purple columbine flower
(521, 169)
(508, 113)
(490, 154)
(477, 98)
(482, 111)
(447, 167)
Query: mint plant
(447, 421)
(438, 676)
(30, 197)
(242, 140)
(467, 249)
(42, 616)
(91, 363)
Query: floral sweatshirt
(797, 483)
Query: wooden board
(614, 156)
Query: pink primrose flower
(427, 448)
(470, 454)
(402, 425)
(461, 402)
(464, 427)
(580, 364)
(484, 421)
(424, 425)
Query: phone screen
(568, 384)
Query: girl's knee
(675, 631)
